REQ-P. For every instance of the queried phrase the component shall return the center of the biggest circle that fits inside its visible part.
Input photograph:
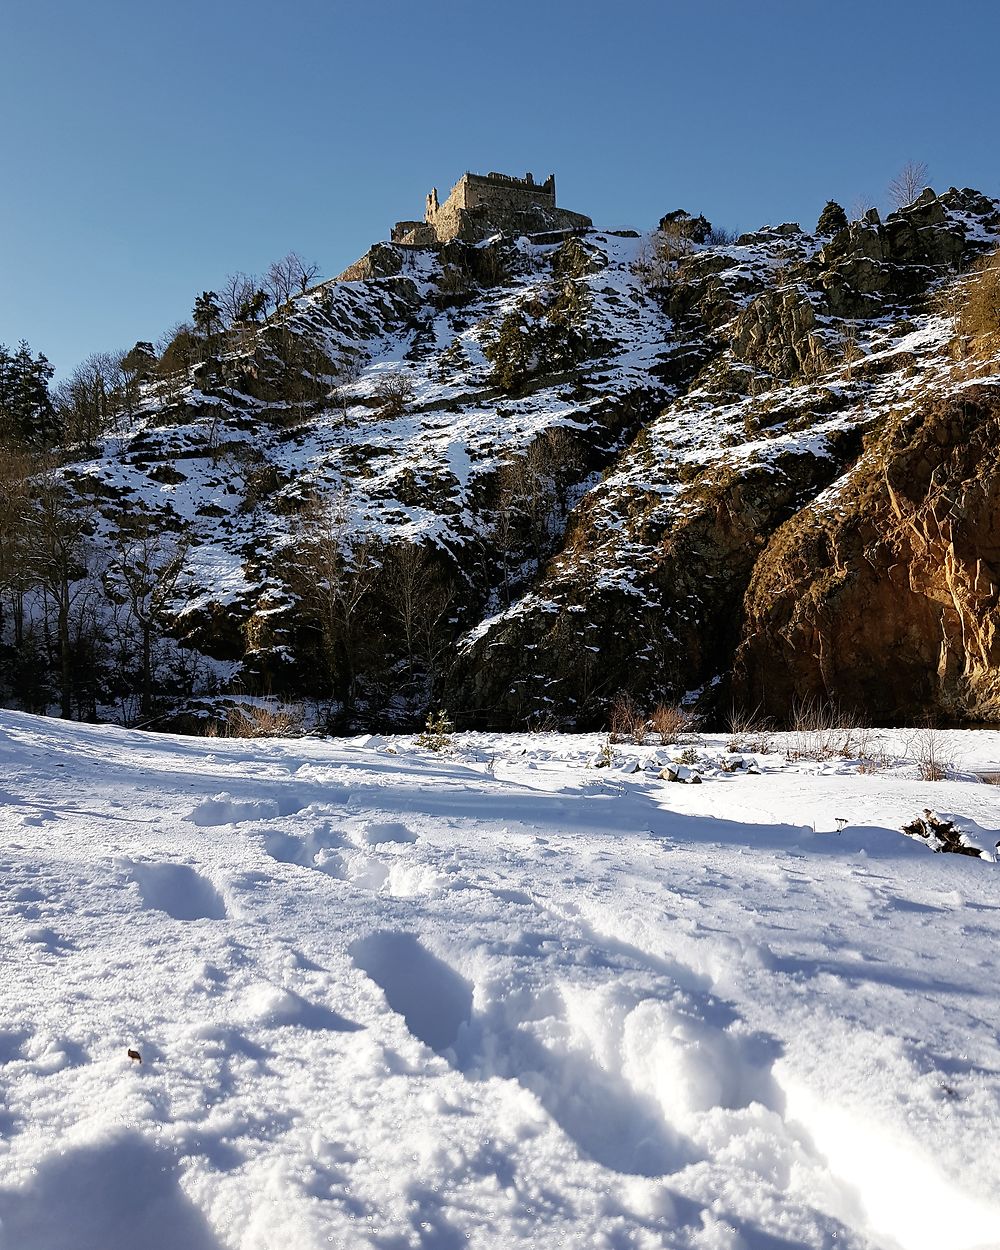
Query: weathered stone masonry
(482, 203)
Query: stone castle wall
(481, 202)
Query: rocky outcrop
(778, 334)
(380, 261)
(665, 623)
(883, 594)
(871, 263)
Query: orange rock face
(882, 595)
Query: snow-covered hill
(493, 997)
(521, 476)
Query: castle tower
(482, 204)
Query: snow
(493, 997)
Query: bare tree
(236, 294)
(908, 183)
(142, 575)
(419, 603)
(93, 399)
(306, 271)
(861, 205)
(287, 276)
(61, 564)
(333, 574)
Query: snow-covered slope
(561, 447)
(496, 997)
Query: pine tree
(207, 315)
(251, 308)
(832, 219)
(140, 362)
(27, 414)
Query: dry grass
(670, 721)
(877, 761)
(822, 731)
(974, 304)
(258, 720)
(626, 720)
(749, 731)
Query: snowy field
(491, 998)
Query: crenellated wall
(481, 202)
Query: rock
(681, 773)
(888, 601)
(940, 833)
(776, 333)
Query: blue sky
(150, 148)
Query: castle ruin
(482, 204)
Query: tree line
(83, 622)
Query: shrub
(258, 720)
(394, 393)
(657, 259)
(606, 756)
(927, 748)
(626, 720)
(670, 721)
(515, 353)
(437, 732)
(719, 236)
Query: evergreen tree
(140, 362)
(27, 414)
(251, 308)
(137, 365)
(832, 219)
(207, 315)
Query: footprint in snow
(317, 850)
(434, 1001)
(224, 809)
(178, 890)
(100, 1188)
(386, 832)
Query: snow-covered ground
(491, 998)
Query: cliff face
(882, 594)
(647, 594)
(521, 476)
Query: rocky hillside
(521, 477)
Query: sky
(148, 149)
